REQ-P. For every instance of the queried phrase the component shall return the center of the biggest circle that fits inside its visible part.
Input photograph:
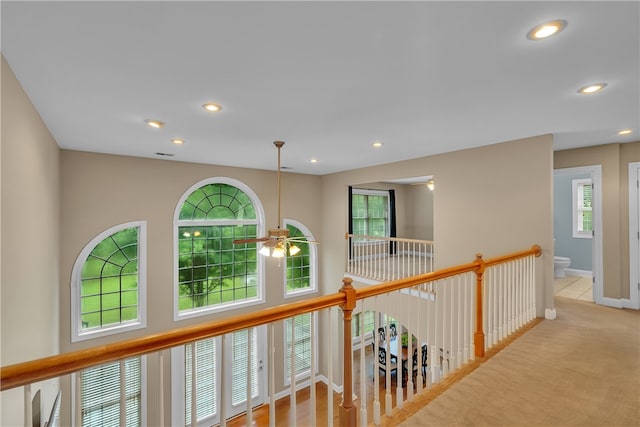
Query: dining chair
(382, 363)
(424, 364)
(393, 330)
(414, 366)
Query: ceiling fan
(277, 243)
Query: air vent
(165, 154)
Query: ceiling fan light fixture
(293, 249)
(278, 251)
(265, 250)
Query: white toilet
(559, 264)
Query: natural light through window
(582, 208)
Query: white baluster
(250, 350)
(314, 318)
(161, 388)
(292, 375)
(28, 415)
(271, 373)
(330, 371)
(376, 371)
(225, 389)
(123, 394)
(363, 374)
(78, 399)
(399, 376)
(194, 414)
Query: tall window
(582, 208)
(370, 212)
(101, 394)
(108, 283)
(302, 346)
(212, 271)
(300, 268)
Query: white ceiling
(329, 78)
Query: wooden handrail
(535, 250)
(53, 366)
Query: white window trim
(260, 220)
(313, 263)
(384, 193)
(76, 278)
(143, 392)
(576, 184)
(287, 357)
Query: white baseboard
(611, 302)
(575, 272)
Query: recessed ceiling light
(155, 123)
(625, 132)
(177, 141)
(547, 29)
(211, 107)
(592, 88)
(314, 161)
(377, 144)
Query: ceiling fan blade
(302, 241)
(253, 240)
(271, 242)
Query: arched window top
(108, 283)
(300, 269)
(217, 201)
(213, 272)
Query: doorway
(578, 230)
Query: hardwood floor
(303, 409)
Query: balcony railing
(456, 313)
(387, 258)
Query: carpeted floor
(581, 369)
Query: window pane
(212, 270)
(216, 270)
(110, 269)
(302, 347)
(100, 394)
(298, 269)
(206, 378)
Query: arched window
(108, 283)
(213, 273)
(301, 269)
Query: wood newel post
(348, 412)
(478, 339)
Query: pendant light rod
(279, 145)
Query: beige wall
(614, 160)
(30, 242)
(100, 191)
(419, 215)
(509, 207)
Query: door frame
(595, 172)
(634, 235)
